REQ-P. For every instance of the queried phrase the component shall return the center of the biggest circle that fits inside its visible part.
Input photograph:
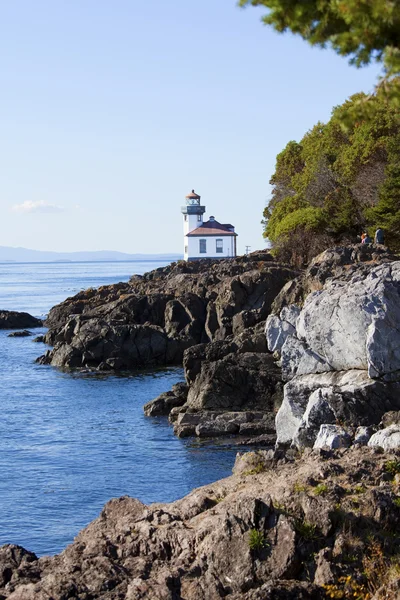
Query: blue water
(71, 441)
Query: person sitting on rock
(365, 239)
(379, 237)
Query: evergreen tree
(336, 183)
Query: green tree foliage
(334, 184)
(362, 30)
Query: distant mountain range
(8, 254)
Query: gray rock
(249, 381)
(23, 333)
(354, 324)
(388, 438)
(298, 359)
(276, 332)
(332, 436)
(11, 319)
(216, 428)
(389, 418)
(323, 572)
(353, 397)
(363, 435)
(277, 329)
(318, 411)
(165, 402)
(253, 462)
(290, 314)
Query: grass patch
(392, 466)
(299, 487)
(321, 489)
(307, 531)
(257, 540)
(255, 471)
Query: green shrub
(392, 466)
(306, 530)
(257, 539)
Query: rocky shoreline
(309, 360)
(281, 527)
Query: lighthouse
(205, 239)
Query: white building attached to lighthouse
(205, 239)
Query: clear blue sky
(111, 112)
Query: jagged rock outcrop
(279, 528)
(349, 397)
(10, 319)
(320, 339)
(165, 402)
(154, 318)
(340, 350)
(341, 262)
(234, 388)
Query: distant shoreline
(110, 260)
(9, 254)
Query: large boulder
(349, 397)
(347, 325)
(340, 351)
(10, 319)
(165, 402)
(233, 388)
(236, 382)
(387, 438)
(105, 345)
(352, 325)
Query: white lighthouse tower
(192, 217)
(209, 239)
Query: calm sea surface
(70, 442)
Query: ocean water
(71, 441)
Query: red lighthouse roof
(212, 227)
(193, 195)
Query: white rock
(298, 359)
(332, 436)
(351, 395)
(388, 438)
(350, 325)
(290, 314)
(363, 435)
(318, 411)
(276, 332)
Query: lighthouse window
(219, 246)
(203, 246)
(185, 217)
(199, 217)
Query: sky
(111, 112)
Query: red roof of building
(193, 195)
(211, 228)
